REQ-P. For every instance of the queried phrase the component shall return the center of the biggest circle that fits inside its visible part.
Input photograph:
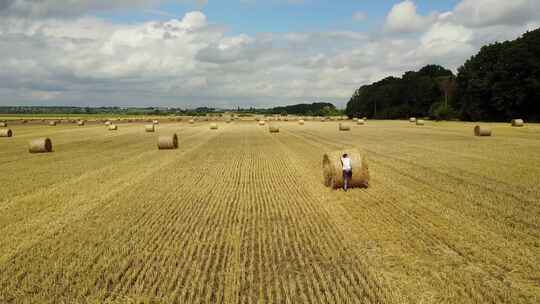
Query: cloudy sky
(191, 53)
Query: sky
(247, 53)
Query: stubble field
(239, 215)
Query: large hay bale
(168, 142)
(40, 145)
(482, 131)
(517, 123)
(149, 128)
(301, 122)
(191, 121)
(273, 129)
(81, 123)
(52, 123)
(113, 127)
(412, 119)
(213, 126)
(344, 127)
(3, 124)
(262, 122)
(420, 122)
(333, 169)
(360, 121)
(155, 122)
(108, 123)
(6, 133)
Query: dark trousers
(347, 175)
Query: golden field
(241, 215)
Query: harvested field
(242, 216)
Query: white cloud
(48, 8)
(403, 18)
(191, 61)
(480, 13)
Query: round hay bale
(168, 142)
(113, 127)
(52, 123)
(273, 129)
(108, 123)
(6, 133)
(155, 121)
(81, 123)
(333, 170)
(420, 122)
(360, 122)
(191, 121)
(301, 122)
(213, 126)
(412, 119)
(3, 124)
(482, 131)
(149, 128)
(344, 127)
(517, 123)
(262, 122)
(41, 145)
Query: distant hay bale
(360, 122)
(412, 119)
(517, 123)
(301, 122)
(149, 128)
(3, 124)
(322, 119)
(52, 123)
(344, 127)
(286, 119)
(168, 142)
(108, 123)
(41, 145)
(333, 169)
(155, 121)
(113, 127)
(273, 129)
(191, 121)
(6, 133)
(213, 126)
(482, 131)
(81, 123)
(262, 122)
(420, 122)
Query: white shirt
(346, 163)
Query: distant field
(239, 215)
(70, 116)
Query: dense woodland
(500, 83)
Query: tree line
(314, 109)
(501, 82)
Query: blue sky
(282, 16)
(235, 53)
